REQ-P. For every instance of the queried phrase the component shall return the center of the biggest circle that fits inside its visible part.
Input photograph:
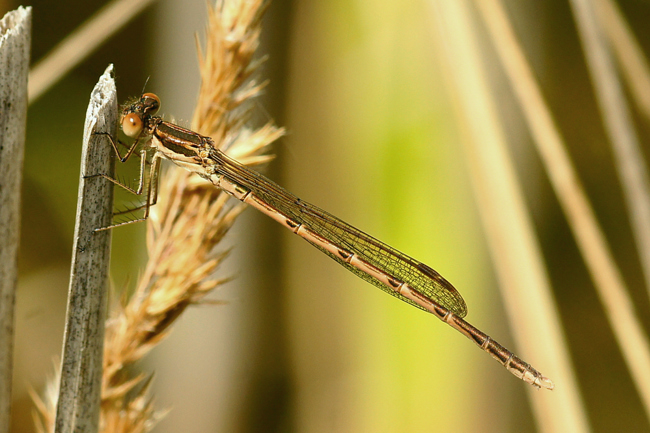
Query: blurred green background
(302, 345)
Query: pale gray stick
(15, 40)
(81, 366)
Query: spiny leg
(152, 188)
(151, 196)
(153, 177)
(131, 149)
(117, 152)
(143, 163)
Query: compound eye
(151, 103)
(132, 125)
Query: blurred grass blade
(617, 118)
(618, 122)
(630, 162)
(634, 180)
(634, 64)
(589, 236)
(516, 253)
(79, 44)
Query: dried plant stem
(630, 163)
(15, 41)
(81, 366)
(629, 53)
(617, 118)
(635, 182)
(190, 218)
(81, 43)
(589, 236)
(517, 256)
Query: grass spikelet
(189, 220)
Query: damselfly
(379, 264)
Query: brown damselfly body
(377, 263)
